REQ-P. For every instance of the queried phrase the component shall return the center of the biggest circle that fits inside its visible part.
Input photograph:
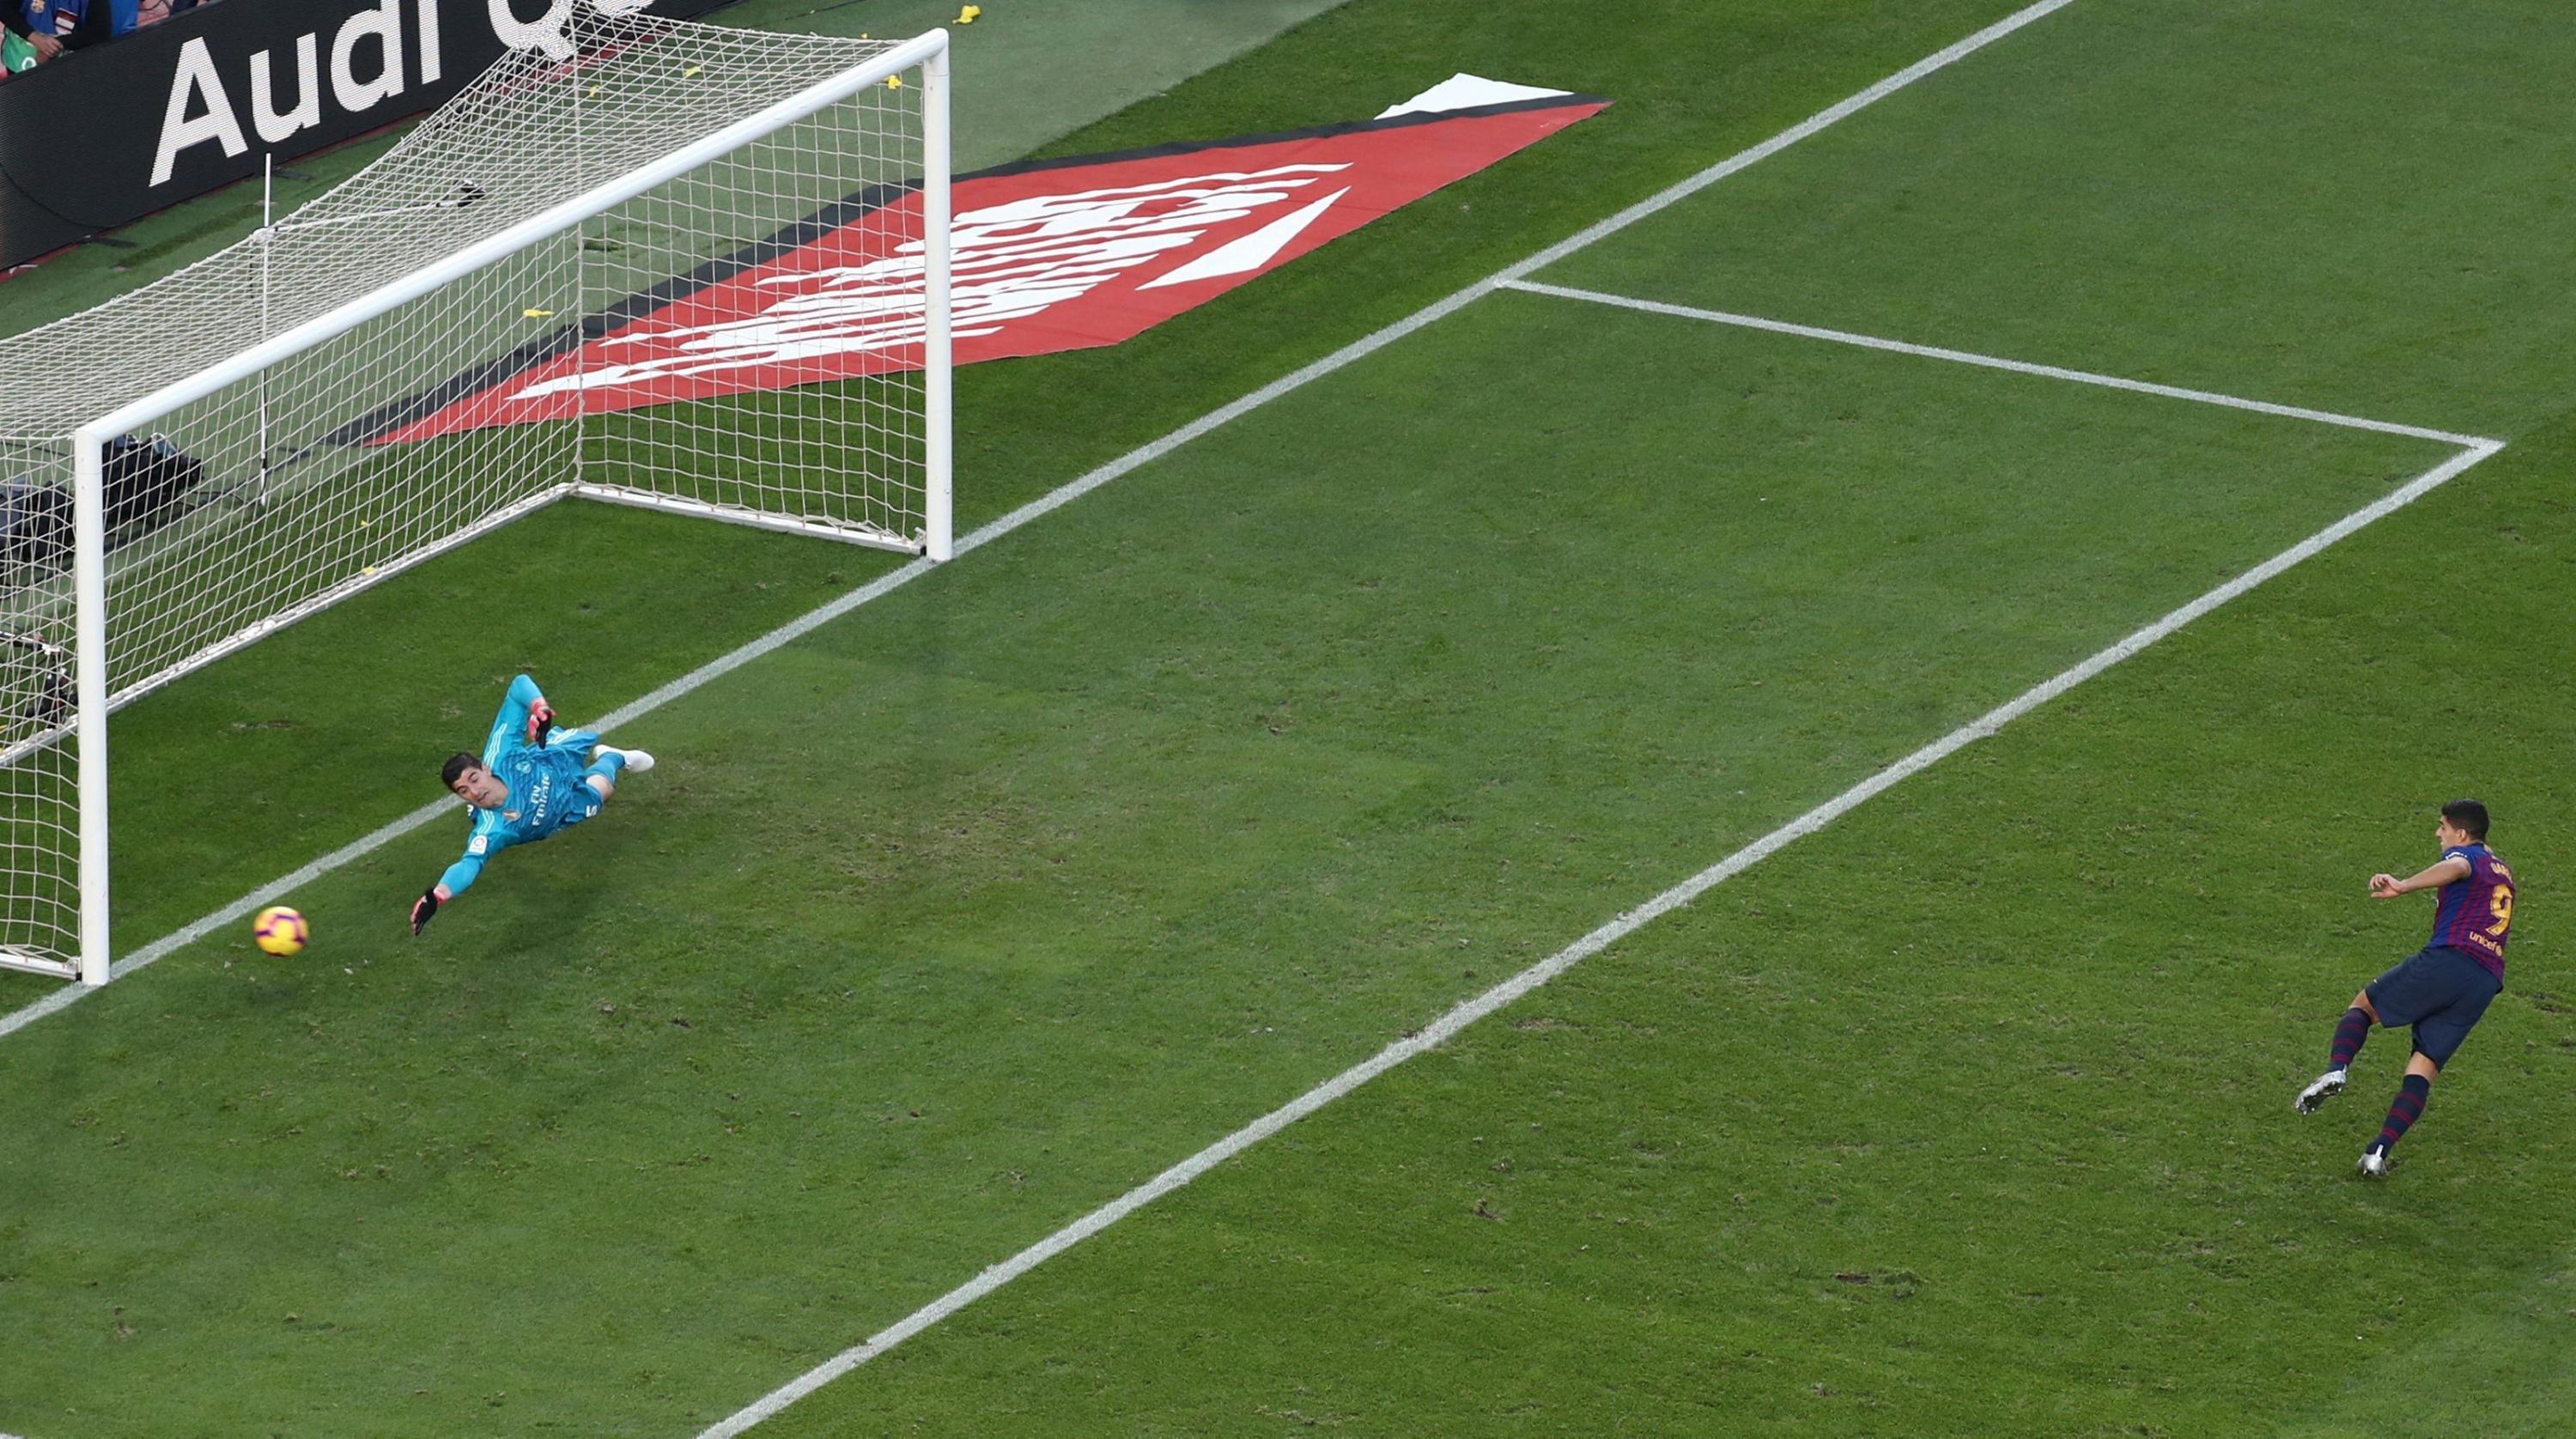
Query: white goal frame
(928, 53)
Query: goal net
(427, 352)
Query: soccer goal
(442, 345)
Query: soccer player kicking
(533, 780)
(2441, 989)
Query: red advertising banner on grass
(1051, 256)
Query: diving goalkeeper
(534, 779)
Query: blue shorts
(2439, 991)
(575, 742)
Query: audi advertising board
(104, 136)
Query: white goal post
(420, 356)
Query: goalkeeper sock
(607, 761)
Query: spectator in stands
(49, 27)
(39, 39)
(41, 30)
(153, 12)
(80, 24)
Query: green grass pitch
(966, 914)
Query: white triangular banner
(1465, 92)
(1251, 252)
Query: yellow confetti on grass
(536, 314)
(967, 16)
(894, 82)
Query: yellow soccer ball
(279, 930)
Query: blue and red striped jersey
(2475, 915)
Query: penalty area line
(1448, 1025)
(1990, 362)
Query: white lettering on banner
(546, 32)
(384, 25)
(275, 125)
(1007, 262)
(201, 110)
(196, 77)
(429, 59)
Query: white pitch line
(1664, 199)
(1074, 490)
(1993, 362)
(1441, 1030)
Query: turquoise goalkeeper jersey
(545, 781)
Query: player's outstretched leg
(608, 763)
(621, 759)
(2349, 1033)
(2320, 1089)
(2403, 1111)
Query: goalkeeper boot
(629, 761)
(2325, 1087)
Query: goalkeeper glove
(541, 717)
(423, 908)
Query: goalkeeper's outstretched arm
(482, 789)
(449, 886)
(524, 719)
